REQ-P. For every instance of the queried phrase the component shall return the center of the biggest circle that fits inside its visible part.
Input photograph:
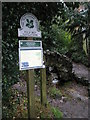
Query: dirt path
(74, 100)
(73, 103)
(82, 72)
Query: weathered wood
(43, 87)
(29, 38)
(30, 91)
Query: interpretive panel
(30, 59)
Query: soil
(74, 100)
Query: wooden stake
(30, 92)
(43, 87)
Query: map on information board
(30, 59)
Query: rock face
(58, 66)
(81, 73)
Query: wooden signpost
(31, 52)
(43, 87)
(30, 92)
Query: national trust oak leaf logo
(29, 24)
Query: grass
(57, 113)
(40, 111)
(54, 92)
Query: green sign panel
(30, 44)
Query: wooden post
(43, 86)
(30, 92)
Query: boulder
(58, 65)
(81, 73)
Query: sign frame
(30, 49)
(29, 26)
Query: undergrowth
(17, 107)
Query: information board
(30, 55)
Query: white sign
(29, 26)
(30, 57)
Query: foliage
(42, 111)
(77, 54)
(77, 17)
(62, 30)
(78, 23)
(16, 107)
(10, 103)
(56, 39)
(57, 113)
(62, 39)
(54, 18)
(11, 14)
(54, 92)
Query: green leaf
(57, 113)
(27, 20)
(27, 24)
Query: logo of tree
(29, 24)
